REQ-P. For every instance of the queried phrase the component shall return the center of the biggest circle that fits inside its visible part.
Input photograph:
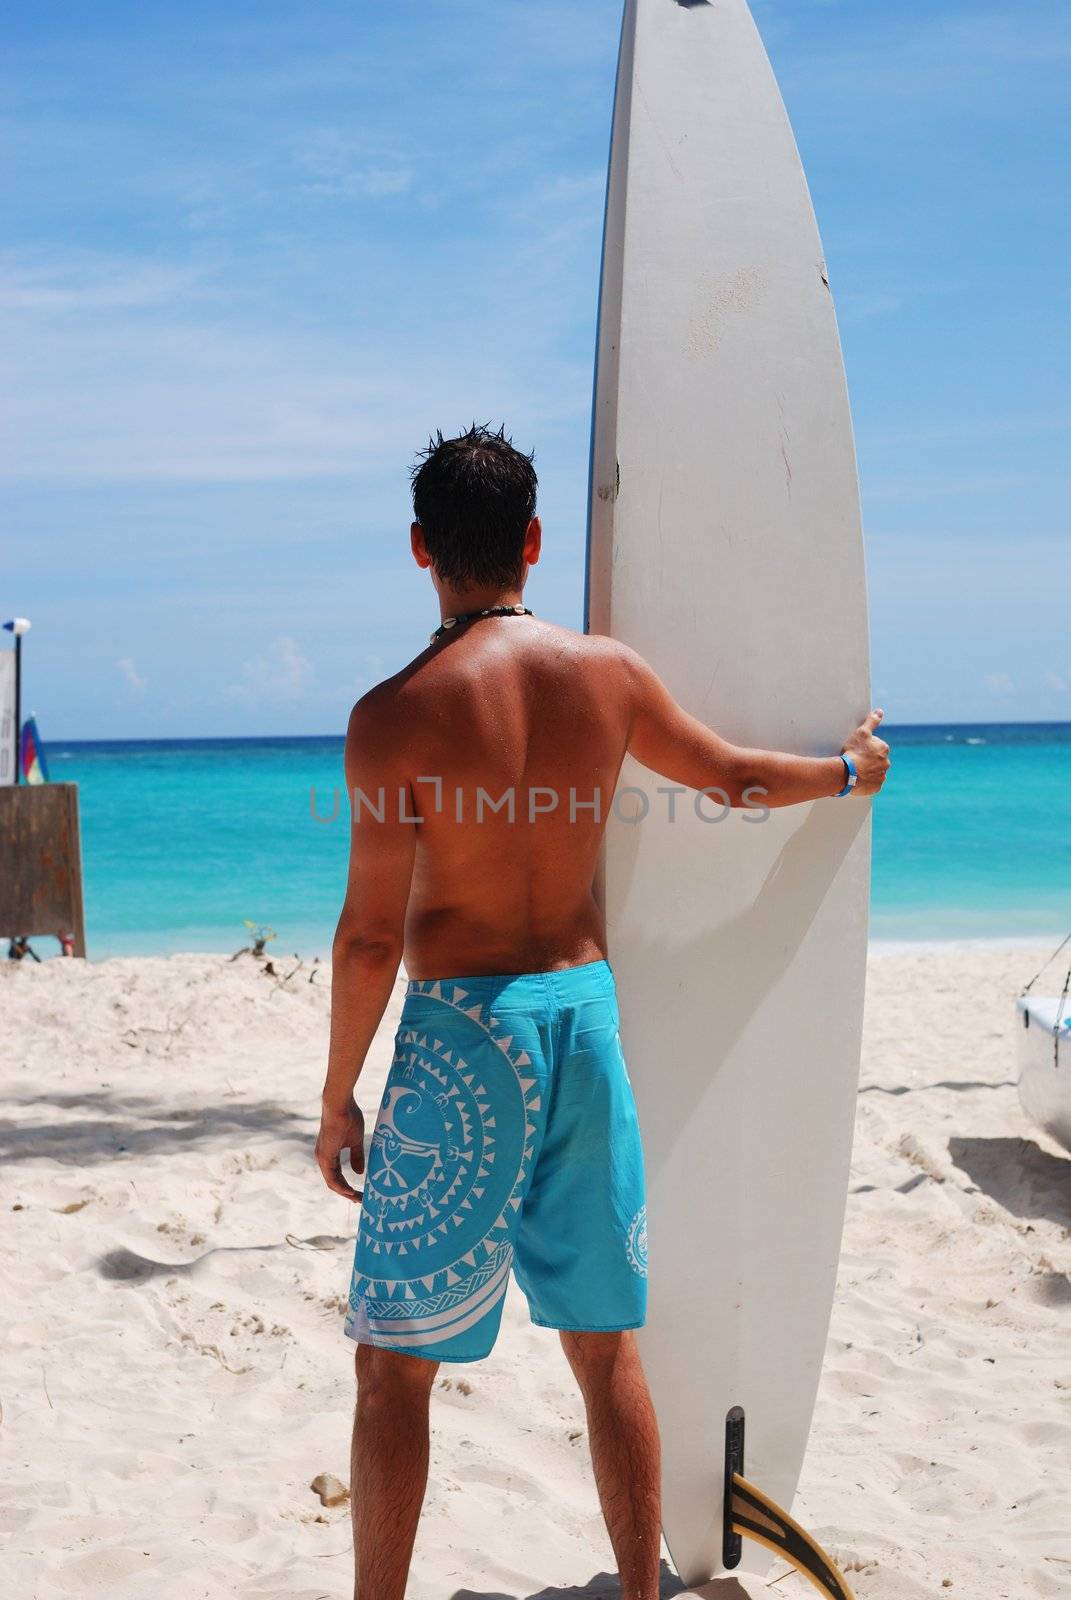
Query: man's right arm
(663, 737)
(368, 944)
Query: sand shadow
(124, 1265)
(107, 1125)
(605, 1586)
(1026, 1180)
(958, 1085)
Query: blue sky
(256, 252)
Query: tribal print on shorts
(448, 1166)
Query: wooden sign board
(41, 862)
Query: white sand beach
(174, 1273)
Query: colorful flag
(32, 761)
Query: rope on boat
(1062, 1001)
(1062, 946)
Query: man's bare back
(509, 736)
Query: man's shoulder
(598, 649)
(383, 698)
(425, 682)
(374, 722)
(613, 655)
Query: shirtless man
(507, 1134)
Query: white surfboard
(725, 546)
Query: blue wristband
(851, 775)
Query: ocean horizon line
(56, 742)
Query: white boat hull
(1044, 1051)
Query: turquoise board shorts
(507, 1138)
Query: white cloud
(936, 61)
(341, 163)
(999, 683)
(375, 183)
(130, 672)
(916, 487)
(981, 428)
(281, 674)
(863, 307)
(1005, 36)
(85, 282)
(210, 389)
(1054, 681)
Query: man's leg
(388, 1467)
(625, 1453)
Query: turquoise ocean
(183, 840)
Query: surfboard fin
(753, 1515)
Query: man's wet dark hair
(474, 497)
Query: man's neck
(461, 602)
